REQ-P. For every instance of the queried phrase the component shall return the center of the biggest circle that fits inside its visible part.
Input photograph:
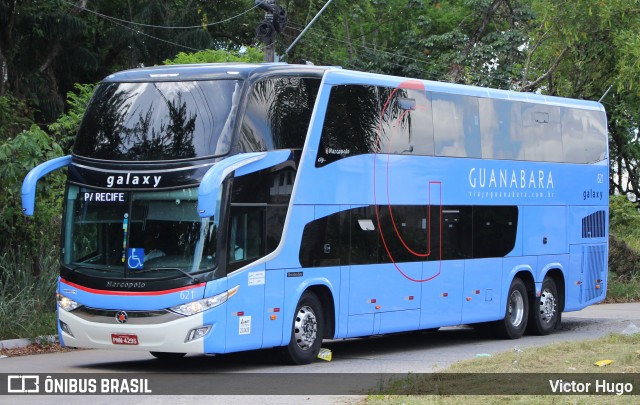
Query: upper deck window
(159, 120)
(278, 114)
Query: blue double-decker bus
(226, 207)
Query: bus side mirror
(35, 174)
(209, 191)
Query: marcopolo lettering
(124, 284)
(134, 180)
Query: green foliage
(623, 288)
(624, 240)
(248, 54)
(27, 300)
(15, 116)
(65, 127)
(623, 215)
(17, 156)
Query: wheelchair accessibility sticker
(135, 258)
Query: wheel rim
(305, 328)
(547, 306)
(516, 308)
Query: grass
(27, 300)
(534, 364)
(623, 289)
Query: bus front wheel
(544, 315)
(306, 331)
(515, 321)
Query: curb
(19, 343)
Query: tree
(48, 46)
(589, 51)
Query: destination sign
(103, 197)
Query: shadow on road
(447, 339)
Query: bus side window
(246, 235)
(584, 135)
(457, 131)
(541, 133)
(407, 122)
(500, 129)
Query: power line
(160, 26)
(414, 59)
(150, 36)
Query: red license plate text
(124, 339)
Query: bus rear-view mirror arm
(38, 172)
(209, 192)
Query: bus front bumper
(182, 335)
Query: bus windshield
(159, 120)
(148, 235)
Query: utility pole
(275, 20)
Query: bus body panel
(274, 323)
(481, 286)
(245, 310)
(441, 303)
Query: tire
(516, 312)
(484, 330)
(167, 356)
(544, 314)
(307, 330)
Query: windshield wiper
(156, 269)
(74, 269)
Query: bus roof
(211, 71)
(333, 76)
(336, 77)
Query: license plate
(124, 339)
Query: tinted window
(158, 120)
(325, 241)
(278, 114)
(456, 232)
(409, 234)
(500, 128)
(350, 123)
(457, 127)
(365, 235)
(405, 230)
(584, 135)
(259, 203)
(369, 119)
(494, 230)
(405, 124)
(541, 136)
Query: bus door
(384, 296)
(245, 319)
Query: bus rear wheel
(544, 315)
(517, 311)
(307, 330)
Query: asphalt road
(417, 352)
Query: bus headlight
(66, 303)
(195, 307)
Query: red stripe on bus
(130, 293)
